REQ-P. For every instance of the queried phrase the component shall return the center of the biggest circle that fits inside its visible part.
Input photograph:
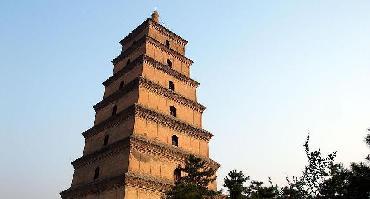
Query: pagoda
(146, 125)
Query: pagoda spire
(155, 16)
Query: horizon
(269, 73)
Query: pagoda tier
(141, 148)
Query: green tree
(257, 190)
(234, 182)
(194, 183)
(367, 140)
(358, 182)
(315, 173)
(320, 179)
(335, 186)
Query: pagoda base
(128, 186)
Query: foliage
(321, 178)
(315, 173)
(256, 190)
(194, 183)
(358, 185)
(234, 182)
(367, 140)
(335, 185)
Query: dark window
(106, 138)
(175, 140)
(167, 44)
(97, 172)
(121, 85)
(128, 62)
(169, 63)
(173, 111)
(114, 110)
(176, 174)
(171, 85)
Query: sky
(270, 72)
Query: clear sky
(270, 71)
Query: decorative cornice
(170, 51)
(129, 50)
(139, 60)
(168, 32)
(146, 113)
(144, 145)
(111, 121)
(171, 94)
(165, 31)
(153, 147)
(139, 180)
(154, 63)
(155, 43)
(158, 65)
(141, 81)
(93, 187)
(136, 180)
(135, 32)
(104, 152)
(172, 122)
(118, 94)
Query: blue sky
(270, 71)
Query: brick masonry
(130, 151)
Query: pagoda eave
(152, 115)
(142, 144)
(157, 44)
(157, 26)
(154, 63)
(131, 179)
(143, 82)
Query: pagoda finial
(155, 16)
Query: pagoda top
(154, 21)
(155, 16)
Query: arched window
(96, 173)
(177, 174)
(121, 85)
(171, 85)
(175, 140)
(106, 138)
(169, 63)
(173, 111)
(167, 44)
(114, 110)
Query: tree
(234, 182)
(359, 181)
(320, 179)
(367, 140)
(194, 183)
(315, 173)
(256, 190)
(336, 185)
(237, 190)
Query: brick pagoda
(147, 123)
